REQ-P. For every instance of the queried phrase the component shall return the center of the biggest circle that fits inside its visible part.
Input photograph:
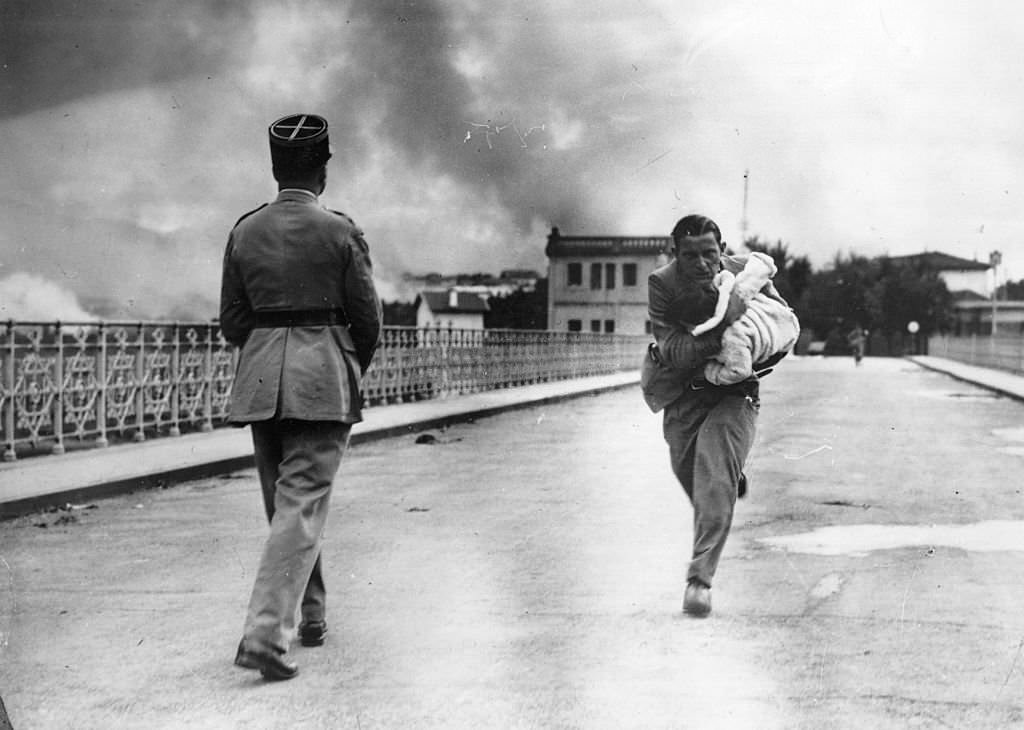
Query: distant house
(964, 278)
(971, 284)
(525, 279)
(450, 309)
(488, 285)
(599, 283)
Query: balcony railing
(86, 384)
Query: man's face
(698, 257)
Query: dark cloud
(158, 109)
(136, 131)
(493, 138)
(54, 51)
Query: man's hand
(735, 310)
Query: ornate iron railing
(1004, 352)
(85, 384)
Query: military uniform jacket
(294, 255)
(681, 355)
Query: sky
(133, 135)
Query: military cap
(299, 144)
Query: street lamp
(994, 259)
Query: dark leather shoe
(742, 487)
(697, 599)
(271, 664)
(312, 633)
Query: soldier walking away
(297, 296)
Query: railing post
(140, 389)
(101, 396)
(208, 376)
(58, 396)
(175, 429)
(9, 452)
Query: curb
(955, 370)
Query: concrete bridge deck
(36, 482)
(525, 571)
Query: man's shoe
(271, 664)
(312, 633)
(697, 599)
(742, 487)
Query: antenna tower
(743, 221)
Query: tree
(1011, 290)
(840, 298)
(399, 314)
(794, 275)
(878, 295)
(912, 293)
(520, 310)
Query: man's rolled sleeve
(676, 346)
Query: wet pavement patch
(827, 586)
(1010, 434)
(987, 536)
(1013, 435)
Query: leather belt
(747, 387)
(301, 318)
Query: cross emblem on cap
(298, 127)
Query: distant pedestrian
(297, 296)
(709, 428)
(857, 338)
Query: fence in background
(1005, 352)
(82, 385)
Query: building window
(629, 274)
(647, 327)
(595, 276)
(609, 276)
(575, 274)
(575, 325)
(609, 325)
(595, 325)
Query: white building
(450, 309)
(599, 283)
(963, 277)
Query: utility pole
(743, 221)
(994, 259)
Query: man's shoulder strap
(347, 217)
(254, 210)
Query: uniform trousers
(710, 432)
(296, 461)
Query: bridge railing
(73, 385)
(1004, 352)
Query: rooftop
(464, 302)
(938, 261)
(562, 246)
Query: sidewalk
(38, 482)
(999, 381)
